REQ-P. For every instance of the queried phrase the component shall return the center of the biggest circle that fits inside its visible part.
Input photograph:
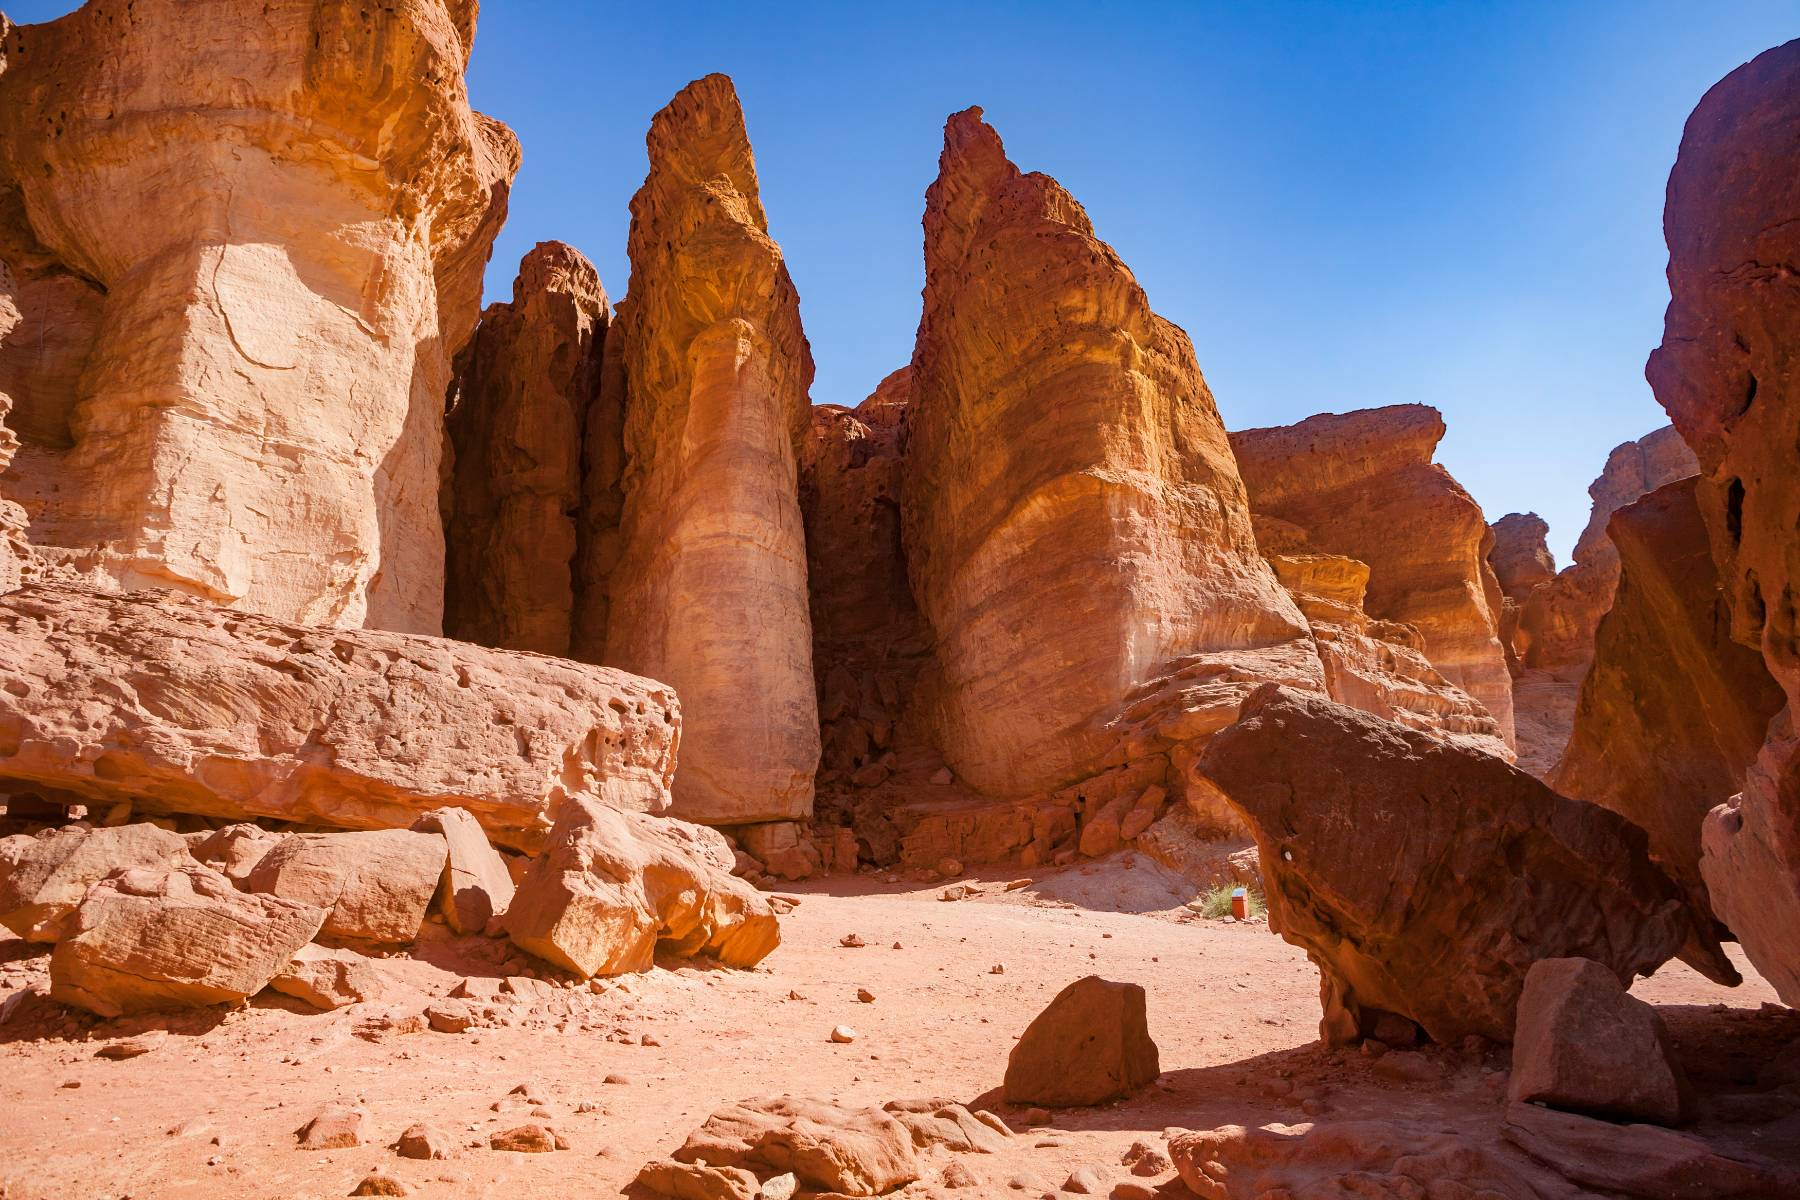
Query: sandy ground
(211, 1111)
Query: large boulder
(147, 939)
(1424, 879)
(375, 886)
(43, 878)
(1364, 485)
(181, 706)
(1672, 711)
(247, 241)
(1073, 518)
(476, 886)
(827, 1148)
(1728, 373)
(1090, 1045)
(1585, 1044)
(708, 591)
(614, 887)
(519, 405)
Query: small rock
(1086, 1181)
(865, 995)
(1145, 1160)
(618, 1080)
(843, 1034)
(379, 1185)
(649, 1039)
(129, 1048)
(528, 1139)
(1018, 885)
(997, 969)
(338, 1126)
(958, 1176)
(425, 1142)
(450, 1016)
(780, 1187)
(949, 868)
(851, 940)
(1133, 1191)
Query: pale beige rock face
(43, 878)
(476, 885)
(613, 886)
(252, 238)
(182, 706)
(375, 885)
(1363, 484)
(523, 388)
(1074, 521)
(709, 594)
(149, 939)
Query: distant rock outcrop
(1074, 524)
(243, 243)
(1363, 485)
(517, 413)
(709, 590)
(1728, 373)
(1672, 711)
(1424, 880)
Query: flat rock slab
(376, 886)
(44, 877)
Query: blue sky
(1345, 205)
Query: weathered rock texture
(1074, 523)
(43, 878)
(844, 1152)
(151, 939)
(1520, 556)
(374, 885)
(1424, 879)
(1090, 1045)
(1551, 632)
(1728, 373)
(517, 414)
(709, 593)
(245, 242)
(613, 887)
(1363, 485)
(1586, 1045)
(181, 706)
(1672, 711)
(476, 885)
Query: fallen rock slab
(44, 877)
(615, 886)
(375, 886)
(329, 978)
(1586, 1045)
(1424, 879)
(145, 940)
(234, 850)
(1642, 1160)
(476, 885)
(182, 706)
(850, 1152)
(1091, 1045)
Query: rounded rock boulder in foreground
(1091, 1045)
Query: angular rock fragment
(614, 887)
(337, 1126)
(234, 850)
(182, 706)
(1586, 1045)
(848, 1152)
(329, 978)
(374, 886)
(476, 886)
(1424, 880)
(44, 877)
(1090, 1045)
(1642, 1160)
(147, 939)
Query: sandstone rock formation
(1552, 634)
(1520, 557)
(1586, 1045)
(476, 885)
(518, 410)
(374, 886)
(709, 592)
(180, 706)
(1424, 880)
(614, 887)
(847, 1152)
(43, 878)
(244, 244)
(1672, 711)
(328, 978)
(1728, 375)
(148, 939)
(1090, 1045)
(1073, 519)
(1363, 485)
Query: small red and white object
(1240, 903)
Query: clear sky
(1345, 205)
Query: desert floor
(212, 1109)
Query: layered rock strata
(1363, 485)
(243, 244)
(518, 411)
(709, 591)
(1728, 373)
(1073, 521)
(1672, 711)
(180, 706)
(1424, 880)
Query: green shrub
(1216, 902)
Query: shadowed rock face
(1672, 711)
(1520, 557)
(251, 239)
(709, 592)
(1073, 518)
(523, 390)
(1728, 373)
(1362, 484)
(1424, 879)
